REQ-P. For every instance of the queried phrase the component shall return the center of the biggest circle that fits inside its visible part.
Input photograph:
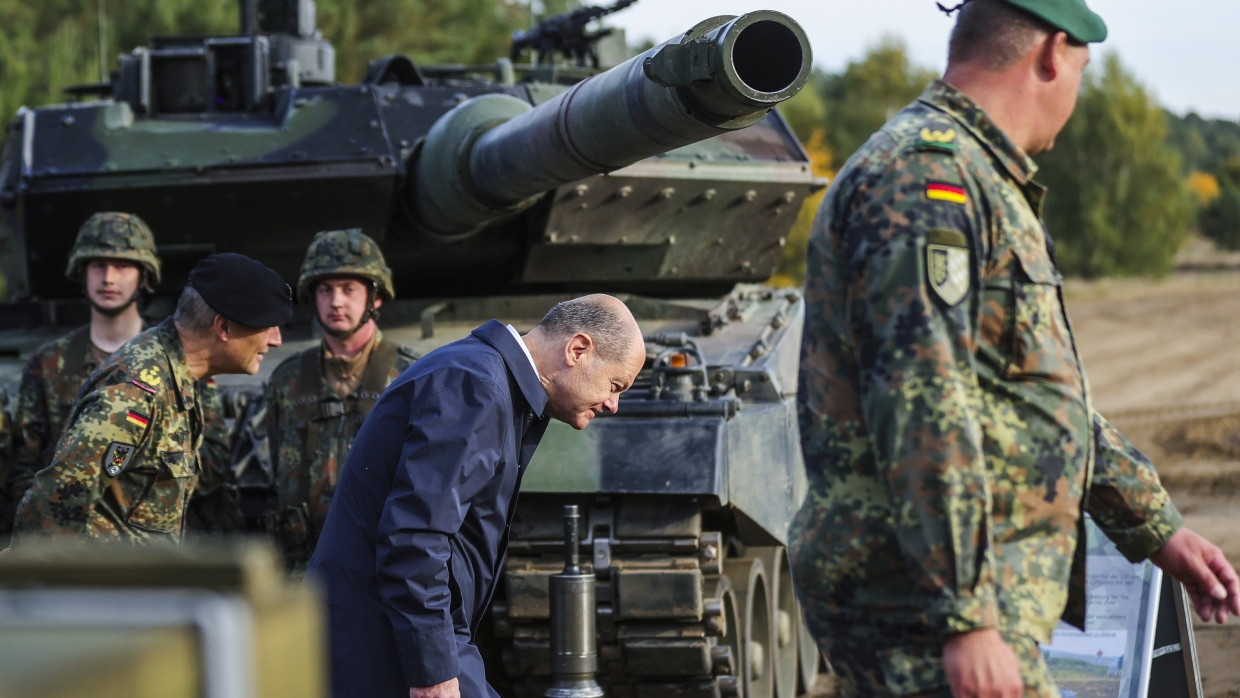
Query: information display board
(1114, 657)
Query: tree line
(1129, 181)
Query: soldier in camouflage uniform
(128, 460)
(317, 399)
(949, 440)
(115, 259)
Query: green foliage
(1204, 144)
(428, 31)
(1220, 219)
(868, 93)
(807, 110)
(52, 44)
(1118, 202)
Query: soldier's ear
(222, 327)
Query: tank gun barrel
(494, 155)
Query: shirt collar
(943, 97)
(524, 348)
(517, 358)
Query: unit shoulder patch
(947, 266)
(117, 457)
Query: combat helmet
(344, 253)
(115, 235)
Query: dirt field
(1164, 364)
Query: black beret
(242, 290)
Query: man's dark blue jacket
(413, 543)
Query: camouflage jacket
(949, 440)
(310, 431)
(127, 462)
(50, 382)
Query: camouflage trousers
(874, 661)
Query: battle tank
(669, 180)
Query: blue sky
(1187, 54)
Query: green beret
(1069, 16)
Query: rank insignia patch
(117, 457)
(930, 135)
(947, 272)
(939, 191)
(150, 376)
(137, 419)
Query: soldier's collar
(181, 380)
(946, 98)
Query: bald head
(587, 351)
(605, 319)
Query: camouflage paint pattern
(310, 431)
(949, 441)
(127, 462)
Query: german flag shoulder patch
(943, 191)
(137, 419)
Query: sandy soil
(1164, 364)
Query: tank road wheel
(784, 621)
(748, 578)
(810, 658)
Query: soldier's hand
(448, 689)
(979, 664)
(1209, 579)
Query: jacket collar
(183, 382)
(943, 97)
(496, 334)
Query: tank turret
(494, 191)
(243, 144)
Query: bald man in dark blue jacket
(415, 538)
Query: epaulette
(935, 139)
(144, 386)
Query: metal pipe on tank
(491, 156)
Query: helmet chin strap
(114, 312)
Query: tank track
(683, 609)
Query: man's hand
(979, 664)
(1210, 580)
(447, 689)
